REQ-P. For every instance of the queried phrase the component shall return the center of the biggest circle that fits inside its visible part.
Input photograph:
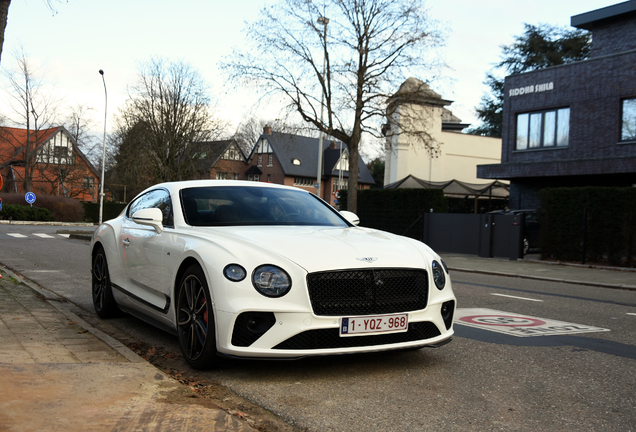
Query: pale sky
(115, 35)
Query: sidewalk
(532, 268)
(57, 373)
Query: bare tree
(369, 47)
(167, 110)
(33, 108)
(79, 123)
(248, 132)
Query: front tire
(195, 320)
(103, 300)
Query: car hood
(318, 248)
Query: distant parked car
(248, 269)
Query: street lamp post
(101, 186)
(323, 21)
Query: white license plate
(361, 325)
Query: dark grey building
(573, 125)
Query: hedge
(589, 224)
(62, 208)
(397, 210)
(25, 213)
(110, 211)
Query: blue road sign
(30, 197)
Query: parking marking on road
(64, 235)
(16, 235)
(515, 297)
(629, 313)
(43, 235)
(520, 325)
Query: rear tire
(103, 300)
(195, 320)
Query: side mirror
(150, 216)
(351, 217)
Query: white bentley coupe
(257, 270)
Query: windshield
(248, 205)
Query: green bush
(25, 213)
(590, 223)
(397, 210)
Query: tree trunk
(4, 13)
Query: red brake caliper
(205, 314)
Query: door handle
(126, 242)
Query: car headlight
(271, 281)
(438, 275)
(445, 266)
(234, 272)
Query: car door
(142, 252)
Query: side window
(158, 198)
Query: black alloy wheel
(103, 300)
(195, 320)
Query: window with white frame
(304, 181)
(89, 182)
(628, 120)
(543, 129)
(260, 160)
(221, 176)
(270, 161)
(337, 185)
(235, 176)
(254, 177)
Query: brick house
(293, 160)
(58, 166)
(573, 125)
(221, 160)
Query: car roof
(177, 186)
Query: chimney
(267, 130)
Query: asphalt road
(484, 380)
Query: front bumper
(295, 335)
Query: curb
(548, 279)
(12, 222)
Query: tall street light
(101, 186)
(322, 21)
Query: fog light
(447, 311)
(250, 326)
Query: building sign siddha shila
(536, 88)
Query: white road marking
(515, 297)
(519, 325)
(629, 313)
(42, 235)
(64, 235)
(42, 271)
(16, 235)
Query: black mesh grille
(330, 338)
(368, 292)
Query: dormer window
(296, 161)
